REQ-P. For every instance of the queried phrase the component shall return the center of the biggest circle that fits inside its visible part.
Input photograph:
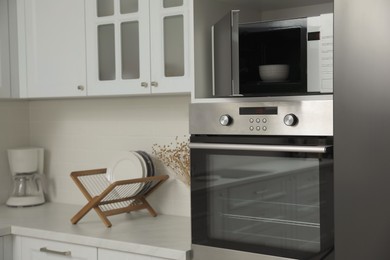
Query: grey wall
(362, 129)
(304, 11)
(14, 132)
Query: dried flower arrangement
(177, 157)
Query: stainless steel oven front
(257, 192)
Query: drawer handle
(65, 253)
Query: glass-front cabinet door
(138, 46)
(171, 33)
(118, 58)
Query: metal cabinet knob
(154, 83)
(80, 87)
(144, 84)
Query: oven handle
(262, 148)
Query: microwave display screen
(258, 110)
(313, 36)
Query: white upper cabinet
(71, 48)
(5, 84)
(139, 46)
(48, 55)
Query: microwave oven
(272, 58)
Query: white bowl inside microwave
(275, 72)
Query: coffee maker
(26, 166)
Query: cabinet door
(6, 246)
(1, 248)
(55, 48)
(105, 254)
(5, 86)
(118, 47)
(39, 249)
(171, 45)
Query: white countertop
(136, 232)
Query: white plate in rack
(129, 165)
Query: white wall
(81, 134)
(304, 11)
(14, 132)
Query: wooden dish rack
(109, 199)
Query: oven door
(255, 195)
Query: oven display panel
(258, 110)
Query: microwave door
(225, 55)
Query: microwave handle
(262, 148)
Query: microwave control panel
(304, 118)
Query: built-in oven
(262, 180)
(273, 58)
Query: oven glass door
(273, 199)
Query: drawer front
(40, 249)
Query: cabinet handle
(154, 83)
(144, 84)
(65, 253)
(80, 87)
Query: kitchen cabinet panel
(48, 48)
(5, 84)
(362, 79)
(1, 248)
(6, 248)
(139, 47)
(40, 249)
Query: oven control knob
(225, 120)
(290, 120)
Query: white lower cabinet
(27, 248)
(1, 248)
(105, 254)
(6, 248)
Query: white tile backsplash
(81, 134)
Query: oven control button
(225, 120)
(290, 120)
